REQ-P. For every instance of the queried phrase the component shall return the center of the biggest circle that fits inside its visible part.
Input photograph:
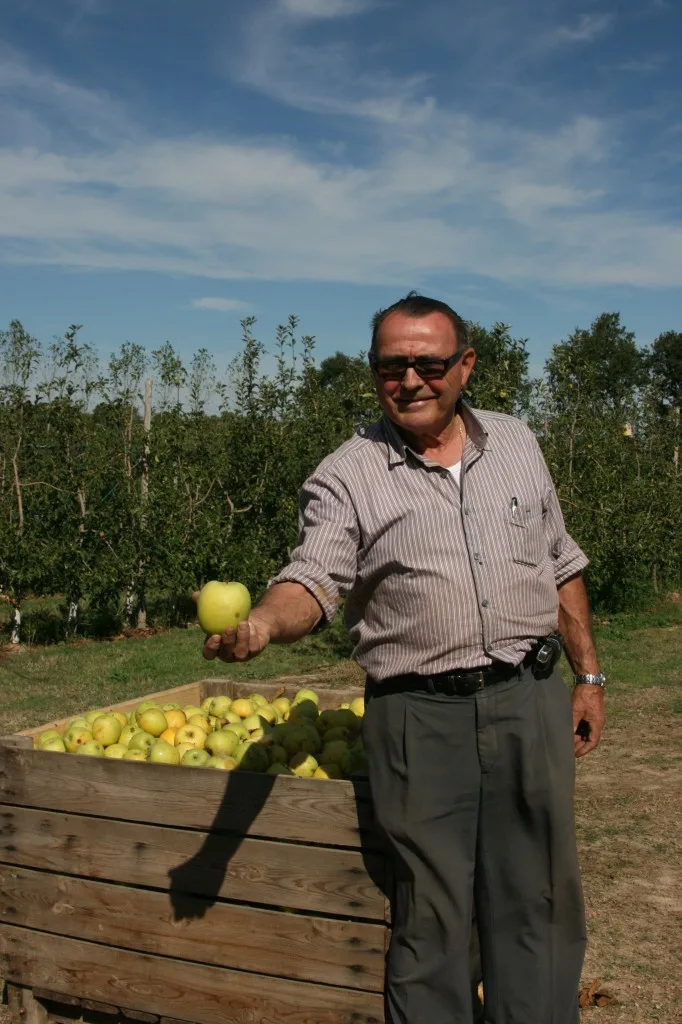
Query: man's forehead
(433, 331)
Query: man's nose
(411, 380)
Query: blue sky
(167, 168)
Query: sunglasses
(426, 367)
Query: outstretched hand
(240, 644)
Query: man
(443, 528)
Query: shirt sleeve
(326, 556)
(568, 558)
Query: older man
(442, 527)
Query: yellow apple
(182, 748)
(162, 752)
(221, 605)
(306, 695)
(80, 722)
(270, 714)
(282, 704)
(106, 730)
(175, 718)
(328, 771)
(191, 709)
(75, 737)
(258, 700)
(195, 758)
(222, 743)
(92, 715)
(303, 765)
(91, 749)
(134, 755)
(206, 705)
(358, 706)
(168, 735)
(152, 720)
(191, 734)
(201, 722)
(116, 750)
(225, 764)
(231, 718)
(127, 734)
(238, 729)
(48, 734)
(120, 718)
(219, 706)
(243, 707)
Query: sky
(167, 168)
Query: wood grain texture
(332, 813)
(176, 988)
(319, 879)
(319, 949)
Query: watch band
(590, 679)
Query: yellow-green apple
(222, 605)
(282, 704)
(55, 744)
(90, 716)
(196, 758)
(270, 714)
(277, 754)
(334, 752)
(254, 722)
(201, 722)
(303, 765)
(262, 736)
(339, 732)
(191, 734)
(116, 750)
(142, 741)
(120, 718)
(48, 734)
(206, 705)
(182, 748)
(258, 700)
(357, 706)
(243, 707)
(225, 764)
(191, 709)
(251, 757)
(75, 737)
(91, 749)
(162, 752)
(303, 709)
(80, 722)
(328, 771)
(238, 729)
(219, 706)
(222, 743)
(135, 755)
(127, 734)
(106, 730)
(231, 718)
(306, 695)
(175, 718)
(152, 720)
(277, 768)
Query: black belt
(462, 683)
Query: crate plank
(319, 879)
(188, 693)
(320, 949)
(176, 988)
(334, 813)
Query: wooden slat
(319, 879)
(242, 803)
(286, 686)
(319, 949)
(176, 988)
(188, 693)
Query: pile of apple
(248, 733)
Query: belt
(453, 684)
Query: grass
(629, 791)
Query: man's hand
(240, 644)
(588, 717)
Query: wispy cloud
(218, 305)
(645, 65)
(324, 9)
(588, 28)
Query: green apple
(116, 750)
(134, 755)
(127, 734)
(196, 758)
(328, 771)
(303, 765)
(163, 753)
(152, 720)
(48, 734)
(278, 768)
(219, 706)
(222, 743)
(225, 764)
(221, 605)
(75, 737)
(277, 754)
(106, 730)
(238, 729)
(143, 741)
(55, 744)
(91, 749)
(339, 732)
(334, 752)
(345, 718)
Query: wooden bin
(157, 892)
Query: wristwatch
(590, 679)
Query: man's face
(422, 407)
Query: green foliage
(115, 518)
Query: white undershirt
(455, 471)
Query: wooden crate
(153, 891)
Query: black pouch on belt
(547, 655)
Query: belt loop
(430, 685)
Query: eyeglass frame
(413, 364)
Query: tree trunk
(130, 604)
(72, 620)
(16, 625)
(144, 498)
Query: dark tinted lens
(430, 368)
(395, 369)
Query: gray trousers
(475, 798)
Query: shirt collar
(397, 449)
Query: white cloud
(589, 27)
(218, 305)
(440, 193)
(324, 8)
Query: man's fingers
(212, 648)
(242, 641)
(195, 596)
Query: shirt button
(466, 511)
(477, 556)
(485, 602)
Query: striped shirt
(436, 576)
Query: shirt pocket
(526, 533)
